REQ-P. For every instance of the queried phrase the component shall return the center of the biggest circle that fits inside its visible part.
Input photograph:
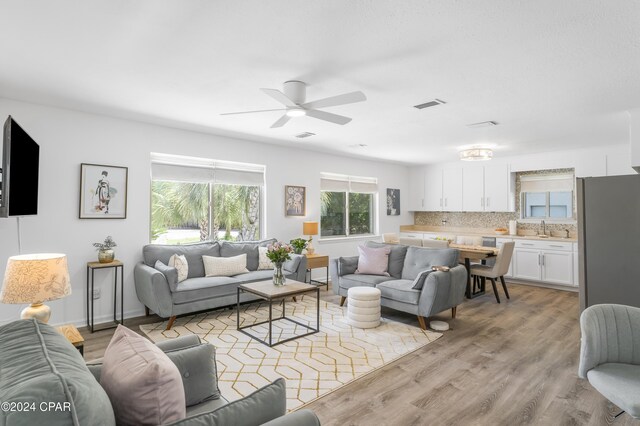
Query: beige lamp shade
(35, 278)
(309, 228)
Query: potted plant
(278, 253)
(298, 245)
(105, 250)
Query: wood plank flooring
(512, 363)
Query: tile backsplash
(493, 219)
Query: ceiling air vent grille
(304, 135)
(430, 104)
(482, 124)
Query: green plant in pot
(298, 245)
(105, 250)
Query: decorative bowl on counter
(501, 231)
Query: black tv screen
(20, 165)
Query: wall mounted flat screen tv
(20, 165)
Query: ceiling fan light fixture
(476, 154)
(296, 112)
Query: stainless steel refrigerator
(609, 240)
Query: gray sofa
(411, 285)
(197, 292)
(39, 367)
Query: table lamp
(34, 279)
(310, 229)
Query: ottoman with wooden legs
(363, 307)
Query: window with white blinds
(196, 199)
(348, 205)
(547, 197)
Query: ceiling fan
(293, 99)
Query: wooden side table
(73, 336)
(91, 268)
(317, 261)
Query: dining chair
(497, 270)
(390, 238)
(435, 243)
(411, 242)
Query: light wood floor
(508, 364)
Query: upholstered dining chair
(417, 242)
(435, 243)
(390, 238)
(610, 354)
(497, 270)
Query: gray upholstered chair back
(610, 334)
(435, 243)
(416, 242)
(501, 267)
(390, 238)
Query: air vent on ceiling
(430, 104)
(304, 135)
(358, 145)
(482, 124)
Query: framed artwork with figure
(295, 202)
(103, 191)
(393, 202)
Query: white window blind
(343, 183)
(547, 183)
(188, 169)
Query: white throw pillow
(180, 263)
(225, 266)
(263, 260)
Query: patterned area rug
(312, 366)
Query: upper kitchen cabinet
(416, 189)
(443, 189)
(488, 188)
(433, 189)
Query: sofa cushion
(203, 288)
(292, 264)
(193, 252)
(347, 265)
(179, 261)
(197, 367)
(399, 290)
(263, 405)
(354, 280)
(250, 248)
(419, 259)
(170, 273)
(38, 364)
(225, 266)
(253, 276)
(144, 386)
(373, 260)
(619, 383)
(263, 261)
(396, 257)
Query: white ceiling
(554, 74)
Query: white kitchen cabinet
(526, 264)
(433, 189)
(419, 235)
(473, 188)
(416, 189)
(452, 189)
(497, 188)
(547, 261)
(576, 274)
(557, 267)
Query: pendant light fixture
(476, 154)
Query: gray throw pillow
(228, 249)
(292, 264)
(347, 265)
(169, 272)
(197, 366)
(262, 406)
(418, 283)
(396, 257)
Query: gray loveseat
(197, 292)
(411, 285)
(45, 381)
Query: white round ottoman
(363, 307)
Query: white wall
(68, 138)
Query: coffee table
(266, 290)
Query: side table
(317, 261)
(73, 336)
(91, 268)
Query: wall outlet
(96, 294)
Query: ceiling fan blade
(327, 116)
(281, 121)
(347, 98)
(251, 112)
(279, 96)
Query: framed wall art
(393, 202)
(103, 191)
(295, 201)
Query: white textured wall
(68, 138)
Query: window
(348, 205)
(197, 200)
(547, 197)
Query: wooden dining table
(466, 254)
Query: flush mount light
(476, 154)
(295, 112)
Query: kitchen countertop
(481, 232)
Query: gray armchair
(610, 354)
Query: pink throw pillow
(373, 260)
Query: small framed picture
(295, 201)
(393, 202)
(103, 191)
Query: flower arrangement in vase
(278, 253)
(105, 250)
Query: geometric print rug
(312, 366)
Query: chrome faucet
(544, 228)
(444, 222)
(567, 231)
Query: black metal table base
(90, 300)
(472, 291)
(283, 317)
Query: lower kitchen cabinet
(557, 267)
(526, 263)
(549, 262)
